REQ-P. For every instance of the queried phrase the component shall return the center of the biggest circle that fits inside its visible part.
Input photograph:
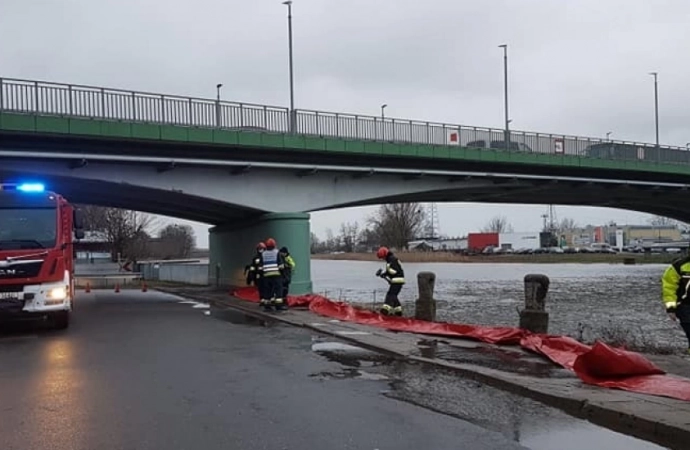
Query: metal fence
(45, 98)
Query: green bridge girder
(36, 124)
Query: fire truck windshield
(27, 228)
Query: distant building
(93, 247)
(438, 245)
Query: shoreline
(449, 257)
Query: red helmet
(382, 253)
(261, 246)
(270, 243)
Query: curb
(628, 423)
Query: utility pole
(218, 115)
(292, 78)
(505, 94)
(656, 114)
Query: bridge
(257, 170)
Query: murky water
(586, 301)
(533, 424)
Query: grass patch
(449, 257)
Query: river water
(618, 303)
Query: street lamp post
(218, 86)
(505, 93)
(608, 134)
(383, 120)
(656, 106)
(292, 78)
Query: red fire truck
(37, 230)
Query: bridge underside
(249, 204)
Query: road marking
(353, 333)
(201, 306)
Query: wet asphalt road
(142, 371)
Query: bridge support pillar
(232, 246)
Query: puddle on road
(505, 359)
(353, 359)
(526, 421)
(578, 435)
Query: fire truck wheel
(61, 320)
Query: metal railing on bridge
(54, 99)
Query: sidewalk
(661, 420)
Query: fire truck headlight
(58, 293)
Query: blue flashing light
(31, 187)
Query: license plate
(9, 296)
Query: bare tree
(498, 224)
(661, 221)
(348, 236)
(567, 224)
(127, 232)
(176, 241)
(397, 224)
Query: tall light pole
(656, 105)
(383, 119)
(292, 78)
(608, 134)
(218, 86)
(505, 92)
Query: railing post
(36, 97)
(318, 126)
(337, 125)
(357, 127)
(190, 113)
(134, 107)
(428, 134)
(2, 89)
(266, 119)
(162, 108)
(102, 103)
(217, 113)
(70, 104)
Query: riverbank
(448, 257)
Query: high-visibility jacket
(289, 267)
(675, 284)
(394, 272)
(272, 263)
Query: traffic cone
(117, 288)
(144, 288)
(87, 289)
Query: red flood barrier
(598, 365)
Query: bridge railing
(47, 98)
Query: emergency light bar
(24, 187)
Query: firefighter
(252, 271)
(675, 288)
(272, 266)
(395, 276)
(287, 271)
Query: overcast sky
(576, 67)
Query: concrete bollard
(425, 305)
(534, 317)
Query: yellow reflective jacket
(675, 284)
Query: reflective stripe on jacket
(394, 272)
(271, 263)
(675, 283)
